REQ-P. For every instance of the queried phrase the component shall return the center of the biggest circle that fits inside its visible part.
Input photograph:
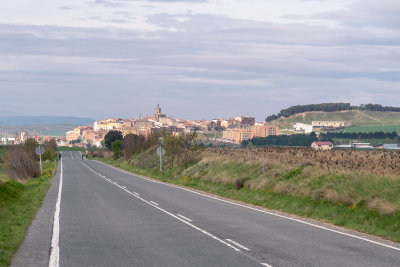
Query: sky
(198, 59)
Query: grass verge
(355, 217)
(18, 206)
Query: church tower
(158, 112)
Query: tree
(50, 148)
(173, 147)
(30, 146)
(111, 136)
(133, 144)
(189, 146)
(116, 149)
(180, 148)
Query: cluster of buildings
(327, 145)
(21, 137)
(320, 126)
(155, 124)
(234, 130)
(237, 135)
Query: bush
(21, 165)
(239, 184)
(116, 149)
(50, 148)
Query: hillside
(356, 117)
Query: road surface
(108, 217)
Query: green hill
(355, 117)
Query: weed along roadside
(359, 201)
(19, 202)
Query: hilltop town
(233, 130)
(244, 130)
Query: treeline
(308, 139)
(329, 107)
(129, 145)
(180, 149)
(282, 140)
(374, 135)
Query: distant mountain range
(43, 120)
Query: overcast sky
(196, 58)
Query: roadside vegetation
(354, 189)
(22, 190)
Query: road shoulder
(35, 249)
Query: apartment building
(72, 136)
(237, 135)
(264, 130)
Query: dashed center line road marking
(265, 264)
(254, 208)
(154, 203)
(137, 194)
(237, 244)
(186, 218)
(174, 216)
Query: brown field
(383, 163)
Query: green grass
(372, 128)
(18, 206)
(357, 217)
(357, 118)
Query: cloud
(66, 8)
(198, 64)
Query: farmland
(356, 117)
(372, 128)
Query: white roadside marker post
(160, 150)
(40, 151)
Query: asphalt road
(108, 217)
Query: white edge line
(256, 209)
(237, 244)
(55, 249)
(137, 194)
(186, 218)
(172, 215)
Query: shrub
(116, 149)
(21, 165)
(239, 184)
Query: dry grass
(381, 205)
(350, 178)
(375, 162)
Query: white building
(303, 128)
